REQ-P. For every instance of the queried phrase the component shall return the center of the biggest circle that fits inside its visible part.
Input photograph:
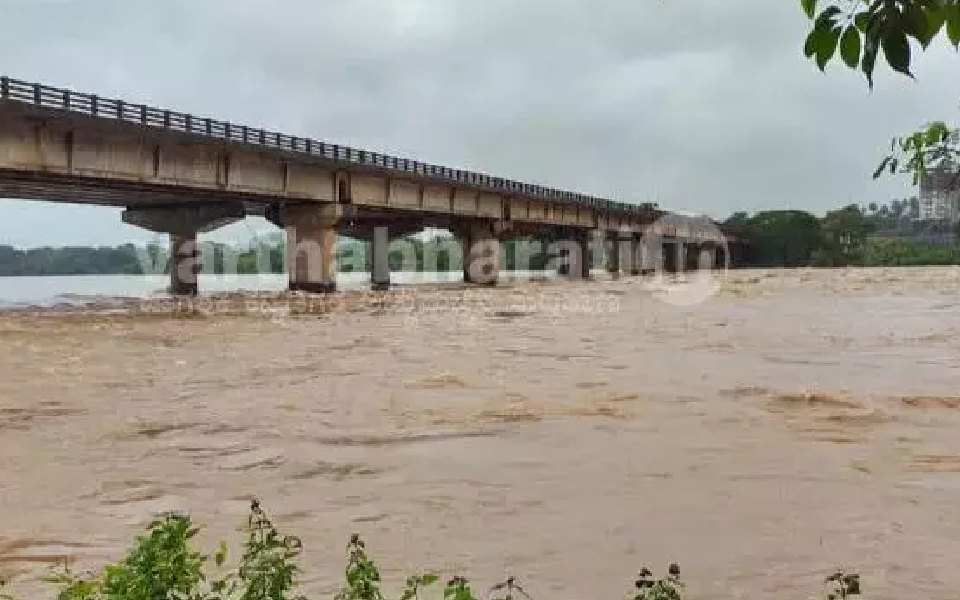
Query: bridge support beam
(613, 249)
(182, 223)
(576, 254)
(669, 253)
(692, 256)
(636, 257)
(312, 247)
(683, 256)
(184, 264)
(626, 250)
(720, 258)
(580, 259)
(481, 254)
(380, 260)
(651, 254)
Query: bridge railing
(107, 108)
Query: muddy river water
(565, 433)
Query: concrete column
(669, 250)
(682, 254)
(380, 268)
(574, 249)
(578, 256)
(648, 254)
(613, 256)
(184, 264)
(481, 254)
(312, 247)
(706, 256)
(636, 258)
(719, 257)
(182, 223)
(625, 248)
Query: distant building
(940, 194)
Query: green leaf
(850, 47)
(952, 17)
(935, 18)
(862, 20)
(809, 7)
(810, 46)
(428, 579)
(826, 47)
(869, 60)
(896, 48)
(918, 21)
(819, 38)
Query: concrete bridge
(180, 174)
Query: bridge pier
(612, 246)
(636, 257)
(182, 223)
(312, 247)
(669, 253)
(578, 254)
(481, 254)
(184, 264)
(646, 255)
(380, 260)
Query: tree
(844, 232)
(860, 29)
(737, 219)
(782, 237)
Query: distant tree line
(70, 260)
(411, 253)
(849, 236)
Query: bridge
(180, 174)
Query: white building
(940, 195)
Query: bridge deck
(66, 101)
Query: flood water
(20, 292)
(797, 421)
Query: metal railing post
(4, 87)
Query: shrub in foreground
(163, 564)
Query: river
(21, 292)
(565, 433)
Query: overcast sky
(700, 105)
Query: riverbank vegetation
(850, 236)
(440, 253)
(165, 564)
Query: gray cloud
(701, 105)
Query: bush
(162, 564)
